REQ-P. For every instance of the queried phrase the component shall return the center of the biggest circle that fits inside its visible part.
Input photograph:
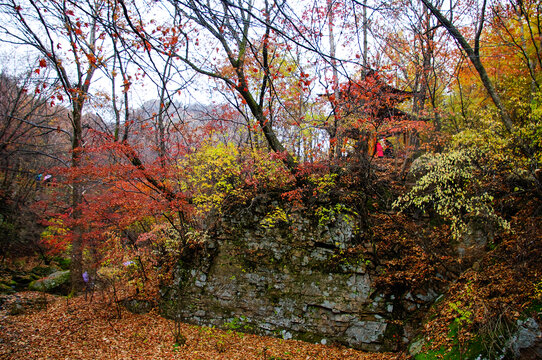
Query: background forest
(129, 128)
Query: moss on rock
(57, 282)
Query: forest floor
(39, 326)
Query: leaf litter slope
(79, 329)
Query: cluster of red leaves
(80, 329)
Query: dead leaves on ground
(79, 329)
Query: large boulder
(57, 283)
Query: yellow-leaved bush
(500, 148)
(222, 171)
(211, 174)
(532, 130)
(449, 184)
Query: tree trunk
(474, 57)
(76, 266)
(335, 149)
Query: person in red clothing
(379, 149)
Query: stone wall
(289, 276)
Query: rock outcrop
(288, 277)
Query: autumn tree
(418, 53)
(68, 38)
(134, 64)
(521, 36)
(334, 36)
(229, 31)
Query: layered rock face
(288, 277)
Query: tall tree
(229, 30)
(524, 144)
(68, 38)
(473, 53)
